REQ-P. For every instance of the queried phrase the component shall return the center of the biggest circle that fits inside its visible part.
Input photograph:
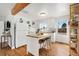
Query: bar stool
(41, 42)
(45, 42)
(6, 35)
(48, 42)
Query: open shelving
(74, 27)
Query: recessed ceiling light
(43, 13)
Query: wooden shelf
(74, 26)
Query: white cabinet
(33, 46)
(62, 38)
(53, 36)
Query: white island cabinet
(33, 45)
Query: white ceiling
(52, 9)
(33, 9)
(5, 8)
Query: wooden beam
(18, 7)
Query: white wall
(20, 40)
(49, 22)
(52, 25)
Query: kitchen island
(33, 45)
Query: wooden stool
(45, 41)
(48, 42)
(41, 41)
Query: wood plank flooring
(57, 49)
(21, 51)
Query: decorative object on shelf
(7, 25)
(21, 21)
(74, 23)
(37, 31)
(64, 25)
(75, 20)
(33, 23)
(29, 25)
(68, 22)
(28, 22)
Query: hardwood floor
(57, 49)
(21, 51)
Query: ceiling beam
(18, 7)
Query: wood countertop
(39, 36)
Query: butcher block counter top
(44, 35)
